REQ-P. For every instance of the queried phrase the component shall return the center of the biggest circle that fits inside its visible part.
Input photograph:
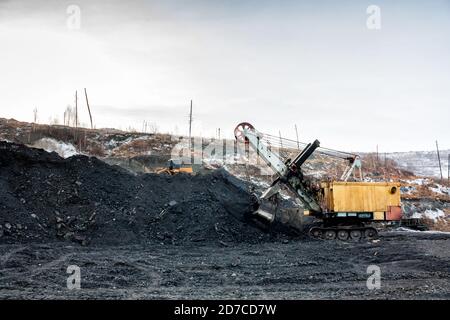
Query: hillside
(423, 195)
(422, 163)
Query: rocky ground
(157, 236)
(413, 266)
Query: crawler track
(343, 233)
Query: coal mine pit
(149, 236)
(45, 197)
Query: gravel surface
(413, 266)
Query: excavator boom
(288, 173)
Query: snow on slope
(65, 150)
(422, 163)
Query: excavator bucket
(264, 216)
(265, 207)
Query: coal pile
(44, 197)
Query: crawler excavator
(345, 209)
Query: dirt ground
(413, 266)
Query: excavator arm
(289, 173)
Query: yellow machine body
(174, 171)
(381, 199)
(174, 167)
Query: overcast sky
(271, 63)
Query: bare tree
(54, 120)
(69, 116)
(153, 127)
(35, 115)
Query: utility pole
(385, 166)
(77, 144)
(190, 127)
(439, 160)
(76, 109)
(448, 169)
(377, 154)
(35, 111)
(296, 133)
(89, 109)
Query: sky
(275, 64)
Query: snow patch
(420, 181)
(111, 143)
(403, 229)
(64, 150)
(430, 214)
(440, 189)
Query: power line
(293, 144)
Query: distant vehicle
(175, 166)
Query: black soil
(45, 197)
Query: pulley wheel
(239, 131)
